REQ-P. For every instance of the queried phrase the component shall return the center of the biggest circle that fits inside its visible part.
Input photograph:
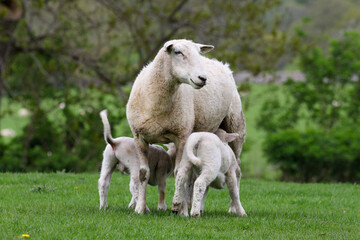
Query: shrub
(327, 101)
(315, 155)
(68, 138)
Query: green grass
(65, 206)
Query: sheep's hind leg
(235, 122)
(144, 174)
(179, 203)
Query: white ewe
(162, 109)
(122, 152)
(213, 162)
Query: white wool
(121, 152)
(209, 158)
(163, 109)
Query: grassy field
(65, 206)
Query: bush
(67, 138)
(315, 155)
(327, 101)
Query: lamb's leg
(161, 189)
(108, 166)
(235, 205)
(179, 204)
(189, 188)
(200, 186)
(134, 189)
(203, 200)
(144, 173)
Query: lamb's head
(226, 137)
(186, 65)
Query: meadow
(66, 206)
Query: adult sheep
(161, 109)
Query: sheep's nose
(202, 78)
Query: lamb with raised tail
(211, 160)
(122, 151)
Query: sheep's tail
(107, 130)
(190, 147)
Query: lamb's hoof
(142, 174)
(195, 215)
(232, 210)
(242, 213)
(139, 210)
(103, 206)
(162, 207)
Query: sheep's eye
(178, 53)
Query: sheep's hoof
(176, 207)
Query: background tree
(71, 59)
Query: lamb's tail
(107, 130)
(192, 146)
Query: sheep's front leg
(179, 204)
(144, 174)
(235, 205)
(179, 152)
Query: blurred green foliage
(315, 155)
(66, 60)
(312, 133)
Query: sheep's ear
(229, 137)
(169, 47)
(205, 48)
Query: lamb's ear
(168, 47)
(229, 137)
(205, 48)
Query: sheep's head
(186, 63)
